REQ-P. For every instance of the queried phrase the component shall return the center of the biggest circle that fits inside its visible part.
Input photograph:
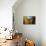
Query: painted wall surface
(43, 22)
(29, 8)
(6, 16)
(6, 13)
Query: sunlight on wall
(6, 13)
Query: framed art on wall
(29, 19)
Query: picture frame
(29, 20)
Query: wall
(29, 8)
(43, 22)
(6, 16)
(6, 13)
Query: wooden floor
(9, 43)
(12, 42)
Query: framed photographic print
(29, 19)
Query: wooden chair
(29, 43)
(18, 37)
